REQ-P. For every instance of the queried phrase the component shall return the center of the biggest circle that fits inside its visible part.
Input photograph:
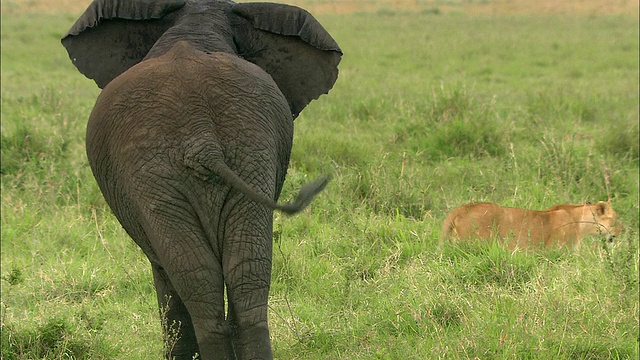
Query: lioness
(565, 225)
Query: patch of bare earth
(592, 7)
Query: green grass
(430, 111)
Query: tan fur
(564, 225)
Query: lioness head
(605, 220)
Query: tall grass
(432, 110)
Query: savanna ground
(438, 103)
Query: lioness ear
(601, 208)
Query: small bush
(620, 141)
(445, 315)
(479, 263)
(56, 338)
(474, 138)
(453, 124)
(23, 146)
(15, 277)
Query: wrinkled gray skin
(189, 142)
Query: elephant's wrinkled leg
(194, 270)
(247, 272)
(179, 335)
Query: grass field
(435, 106)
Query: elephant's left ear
(113, 35)
(289, 44)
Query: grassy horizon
(431, 110)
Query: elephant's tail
(303, 199)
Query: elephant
(189, 142)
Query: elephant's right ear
(289, 44)
(113, 35)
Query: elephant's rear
(180, 100)
(151, 119)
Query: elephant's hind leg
(247, 274)
(191, 272)
(179, 334)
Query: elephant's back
(183, 90)
(143, 118)
(185, 76)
